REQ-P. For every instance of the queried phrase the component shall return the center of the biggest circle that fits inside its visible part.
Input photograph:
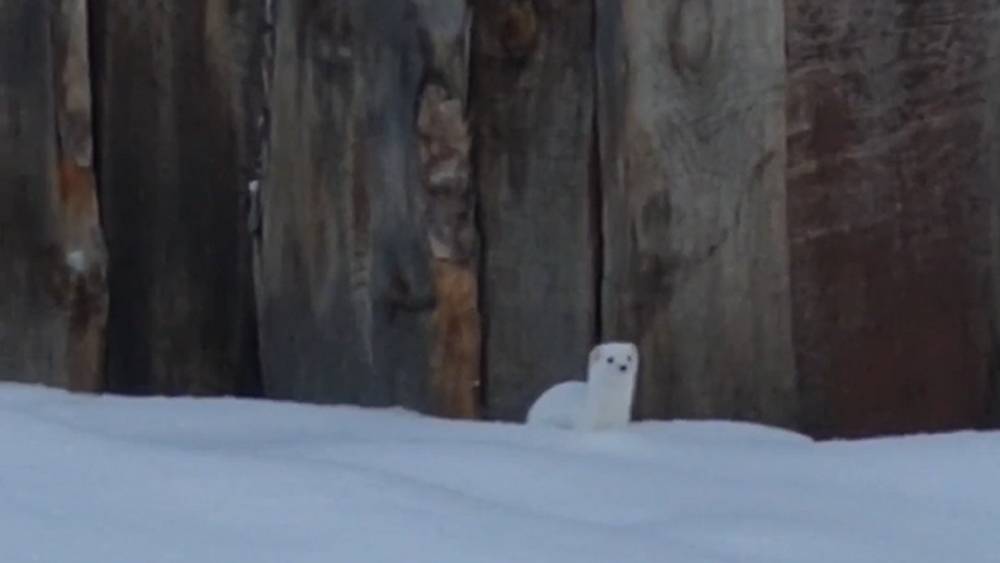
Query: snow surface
(106, 480)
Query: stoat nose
(623, 368)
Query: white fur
(604, 402)
(76, 260)
(560, 406)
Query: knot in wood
(691, 29)
(518, 29)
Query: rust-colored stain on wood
(82, 260)
(81, 288)
(889, 314)
(455, 357)
(76, 191)
(444, 146)
(517, 27)
(51, 253)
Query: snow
(76, 260)
(109, 479)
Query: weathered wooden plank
(886, 212)
(176, 83)
(367, 272)
(533, 108)
(83, 294)
(990, 182)
(314, 258)
(693, 158)
(444, 143)
(52, 287)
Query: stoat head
(613, 360)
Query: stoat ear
(595, 356)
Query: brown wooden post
(52, 256)
(889, 220)
(445, 151)
(367, 273)
(177, 87)
(533, 114)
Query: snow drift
(107, 479)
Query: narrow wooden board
(533, 115)
(176, 84)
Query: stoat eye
(611, 360)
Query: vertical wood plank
(52, 260)
(367, 258)
(887, 212)
(175, 83)
(445, 143)
(693, 158)
(990, 184)
(533, 108)
(83, 293)
(314, 267)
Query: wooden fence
(789, 204)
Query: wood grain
(52, 260)
(175, 91)
(445, 144)
(533, 112)
(367, 284)
(692, 158)
(888, 212)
